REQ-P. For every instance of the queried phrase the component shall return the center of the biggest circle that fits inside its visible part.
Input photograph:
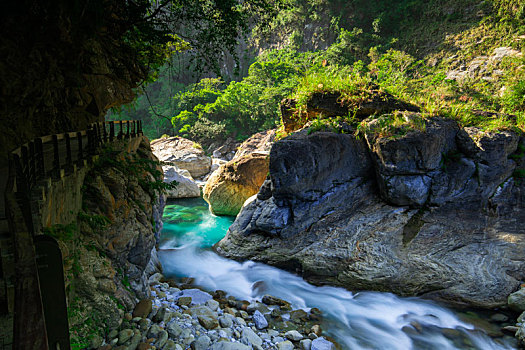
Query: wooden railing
(44, 158)
(29, 161)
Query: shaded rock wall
(433, 211)
(107, 218)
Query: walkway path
(52, 156)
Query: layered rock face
(434, 211)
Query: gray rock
(124, 335)
(113, 334)
(516, 300)
(144, 324)
(135, 341)
(293, 335)
(322, 344)
(208, 322)
(174, 330)
(226, 321)
(155, 278)
(224, 345)
(249, 337)
(202, 343)
(162, 338)
(154, 331)
(305, 344)
(197, 296)
(326, 185)
(183, 153)
(212, 304)
(171, 345)
(259, 320)
(186, 186)
(285, 345)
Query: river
(361, 320)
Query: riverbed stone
(516, 300)
(249, 337)
(259, 320)
(293, 335)
(197, 296)
(226, 345)
(322, 344)
(202, 343)
(212, 304)
(305, 344)
(285, 345)
(142, 309)
(124, 335)
(226, 321)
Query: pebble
(285, 345)
(305, 344)
(293, 335)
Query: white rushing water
(364, 320)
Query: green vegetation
(147, 172)
(438, 55)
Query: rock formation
(109, 252)
(183, 153)
(230, 185)
(425, 208)
(186, 186)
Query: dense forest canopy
(407, 48)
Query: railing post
(121, 133)
(140, 125)
(32, 164)
(69, 160)
(39, 150)
(111, 131)
(133, 127)
(80, 155)
(25, 163)
(56, 157)
(127, 128)
(104, 130)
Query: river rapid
(362, 320)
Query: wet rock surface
(433, 212)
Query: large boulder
(186, 187)
(228, 188)
(260, 142)
(182, 153)
(422, 212)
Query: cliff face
(61, 68)
(432, 211)
(109, 246)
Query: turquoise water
(189, 221)
(364, 320)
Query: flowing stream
(363, 320)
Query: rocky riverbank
(179, 316)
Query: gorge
(373, 152)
